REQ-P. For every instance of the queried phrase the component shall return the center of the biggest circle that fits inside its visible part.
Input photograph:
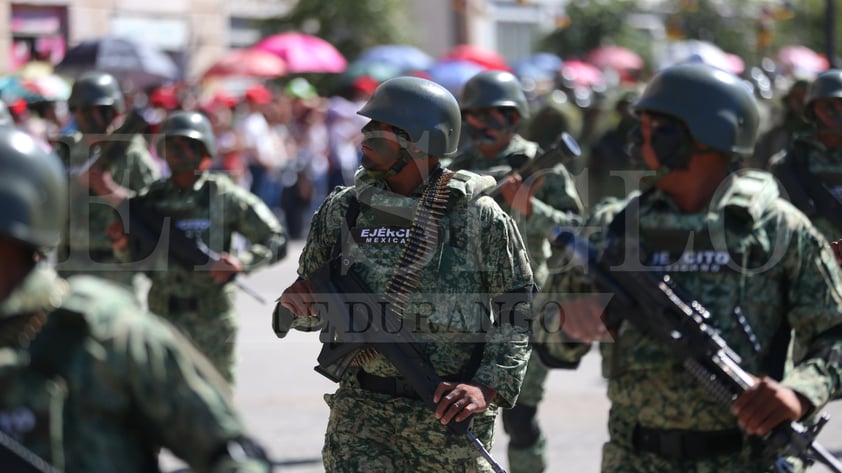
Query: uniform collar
(42, 289)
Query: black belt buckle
(183, 304)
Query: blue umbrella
(403, 56)
(452, 74)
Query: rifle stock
(654, 304)
(564, 150)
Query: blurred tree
(351, 26)
(805, 24)
(590, 24)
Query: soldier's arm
(556, 202)
(174, 392)
(815, 315)
(256, 222)
(508, 278)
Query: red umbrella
(615, 57)
(248, 63)
(303, 52)
(487, 58)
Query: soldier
(728, 240)
(96, 187)
(90, 381)
(208, 208)
(781, 135)
(810, 170)
(473, 255)
(493, 104)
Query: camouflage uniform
(85, 248)
(823, 164)
(777, 268)
(553, 201)
(481, 256)
(103, 385)
(212, 210)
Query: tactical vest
(375, 237)
(726, 259)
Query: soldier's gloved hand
(460, 400)
(766, 404)
(836, 247)
(299, 298)
(226, 267)
(117, 235)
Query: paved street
(281, 396)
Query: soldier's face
(381, 146)
(184, 155)
(93, 119)
(16, 263)
(488, 125)
(828, 112)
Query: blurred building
(195, 32)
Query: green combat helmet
(828, 84)
(717, 108)
(33, 191)
(96, 89)
(422, 108)
(192, 125)
(494, 89)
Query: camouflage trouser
(619, 456)
(212, 326)
(371, 432)
(527, 452)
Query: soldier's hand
(99, 180)
(836, 247)
(583, 319)
(460, 400)
(225, 268)
(766, 404)
(117, 235)
(299, 298)
(519, 195)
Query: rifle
(563, 150)
(148, 230)
(652, 302)
(348, 326)
(16, 458)
(105, 152)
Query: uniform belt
(394, 386)
(183, 304)
(687, 445)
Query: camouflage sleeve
(555, 203)
(146, 365)
(140, 167)
(324, 229)
(815, 316)
(507, 270)
(256, 222)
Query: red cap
(258, 94)
(164, 97)
(365, 85)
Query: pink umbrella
(581, 73)
(613, 57)
(801, 61)
(487, 58)
(247, 63)
(303, 52)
